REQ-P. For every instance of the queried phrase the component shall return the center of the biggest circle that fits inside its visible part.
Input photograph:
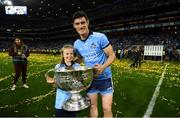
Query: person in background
(134, 57)
(170, 53)
(121, 51)
(98, 53)
(19, 52)
(61, 95)
(139, 56)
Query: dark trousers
(136, 63)
(139, 62)
(64, 113)
(18, 69)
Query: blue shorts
(101, 86)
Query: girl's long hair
(62, 50)
(15, 45)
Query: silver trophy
(74, 81)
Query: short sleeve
(76, 65)
(104, 42)
(76, 53)
(57, 66)
(75, 47)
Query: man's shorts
(101, 86)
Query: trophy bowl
(74, 81)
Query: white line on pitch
(155, 95)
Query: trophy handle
(49, 79)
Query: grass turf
(133, 89)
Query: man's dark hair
(79, 14)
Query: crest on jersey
(93, 45)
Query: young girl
(19, 53)
(62, 96)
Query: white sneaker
(25, 86)
(13, 87)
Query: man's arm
(111, 57)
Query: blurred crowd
(132, 46)
(124, 45)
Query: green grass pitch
(133, 89)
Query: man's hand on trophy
(98, 69)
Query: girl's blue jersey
(92, 52)
(62, 96)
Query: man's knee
(107, 109)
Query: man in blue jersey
(97, 52)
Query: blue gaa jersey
(92, 52)
(62, 96)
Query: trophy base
(76, 103)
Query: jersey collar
(63, 62)
(90, 32)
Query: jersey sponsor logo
(91, 56)
(86, 46)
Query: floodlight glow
(6, 2)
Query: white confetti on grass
(5, 89)
(117, 113)
(46, 64)
(6, 77)
(171, 103)
(29, 75)
(29, 101)
(11, 75)
(32, 74)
